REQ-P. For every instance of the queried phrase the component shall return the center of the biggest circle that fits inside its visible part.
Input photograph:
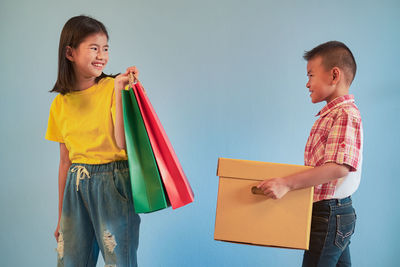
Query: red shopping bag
(176, 184)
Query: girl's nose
(101, 54)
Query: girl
(96, 211)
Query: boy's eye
(94, 48)
(106, 49)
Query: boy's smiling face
(320, 81)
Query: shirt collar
(335, 103)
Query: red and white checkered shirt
(336, 136)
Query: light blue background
(227, 79)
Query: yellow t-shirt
(84, 121)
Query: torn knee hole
(109, 241)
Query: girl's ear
(69, 53)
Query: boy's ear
(69, 53)
(336, 73)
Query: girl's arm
(65, 163)
(121, 81)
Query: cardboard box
(244, 217)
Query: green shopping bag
(147, 189)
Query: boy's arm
(65, 163)
(276, 188)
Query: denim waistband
(85, 170)
(122, 164)
(333, 202)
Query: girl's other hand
(122, 80)
(57, 232)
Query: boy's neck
(341, 90)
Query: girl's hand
(57, 233)
(274, 188)
(122, 80)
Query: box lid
(254, 170)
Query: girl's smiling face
(90, 57)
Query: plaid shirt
(335, 137)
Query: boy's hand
(122, 80)
(274, 188)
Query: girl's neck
(83, 83)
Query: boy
(334, 148)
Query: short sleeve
(53, 132)
(113, 106)
(344, 141)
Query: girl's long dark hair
(75, 30)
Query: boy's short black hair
(335, 54)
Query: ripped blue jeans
(98, 215)
(332, 225)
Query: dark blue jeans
(98, 215)
(332, 226)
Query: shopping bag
(175, 182)
(147, 189)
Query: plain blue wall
(227, 79)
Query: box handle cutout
(256, 191)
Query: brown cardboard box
(244, 217)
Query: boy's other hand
(274, 188)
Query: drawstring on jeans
(82, 171)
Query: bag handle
(132, 79)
